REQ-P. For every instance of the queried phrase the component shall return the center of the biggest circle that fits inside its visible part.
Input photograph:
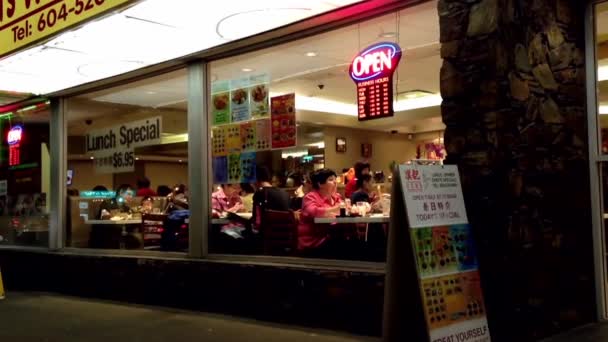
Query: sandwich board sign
(436, 247)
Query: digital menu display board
(372, 71)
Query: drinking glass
(362, 208)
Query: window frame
(198, 93)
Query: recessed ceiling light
(311, 54)
(387, 34)
(246, 70)
(92, 158)
(180, 160)
(136, 158)
(150, 92)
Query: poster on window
(283, 117)
(218, 141)
(220, 170)
(239, 100)
(234, 168)
(248, 164)
(220, 102)
(248, 136)
(263, 134)
(233, 138)
(258, 96)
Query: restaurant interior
(328, 136)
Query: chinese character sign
(433, 195)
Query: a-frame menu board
(433, 290)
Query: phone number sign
(24, 22)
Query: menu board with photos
(248, 136)
(263, 134)
(218, 142)
(239, 100)
(220, 103)
(283, 117)
(444, 253)
(233, 138)
(258, 96)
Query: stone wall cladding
(513, 86)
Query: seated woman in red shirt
(322, 201)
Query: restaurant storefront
(253, 176)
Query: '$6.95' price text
(53, 16)
(122, 159)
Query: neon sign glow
(375, 61)
(372, 70)
(14, 135)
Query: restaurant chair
(279, 231)
(152, 227)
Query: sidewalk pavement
(590, 333)
(29, 317)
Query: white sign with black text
(433, 195)
(113, 147)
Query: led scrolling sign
(13, 137)
(372, 70)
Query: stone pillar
(513, 92)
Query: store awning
(147, 33)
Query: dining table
(373, 218)
(225, 220)
(122, 223)
(355, 220)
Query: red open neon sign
(14, 152)
(14, 135)
(372, 70)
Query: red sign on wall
(14, 152)
(372, 70)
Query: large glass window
(127, 166)
(25, 176)
(288, 150)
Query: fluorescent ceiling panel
(150, 32)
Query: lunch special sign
(113, 147)
(445, 254)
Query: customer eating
(361, 168)
(226, 199)
(322, 201)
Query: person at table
(247, 192)
(119, 203)
(361, 168)
(226, 199)
(268, 196)
(143, 188)
(365, 192)
(322, 201)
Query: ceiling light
(136, 158)
(151, 92)
(180, 160)
(387, 35)
(311, 54)
(92, 158)
(603, 109)
(246, 70)
(137, 33)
